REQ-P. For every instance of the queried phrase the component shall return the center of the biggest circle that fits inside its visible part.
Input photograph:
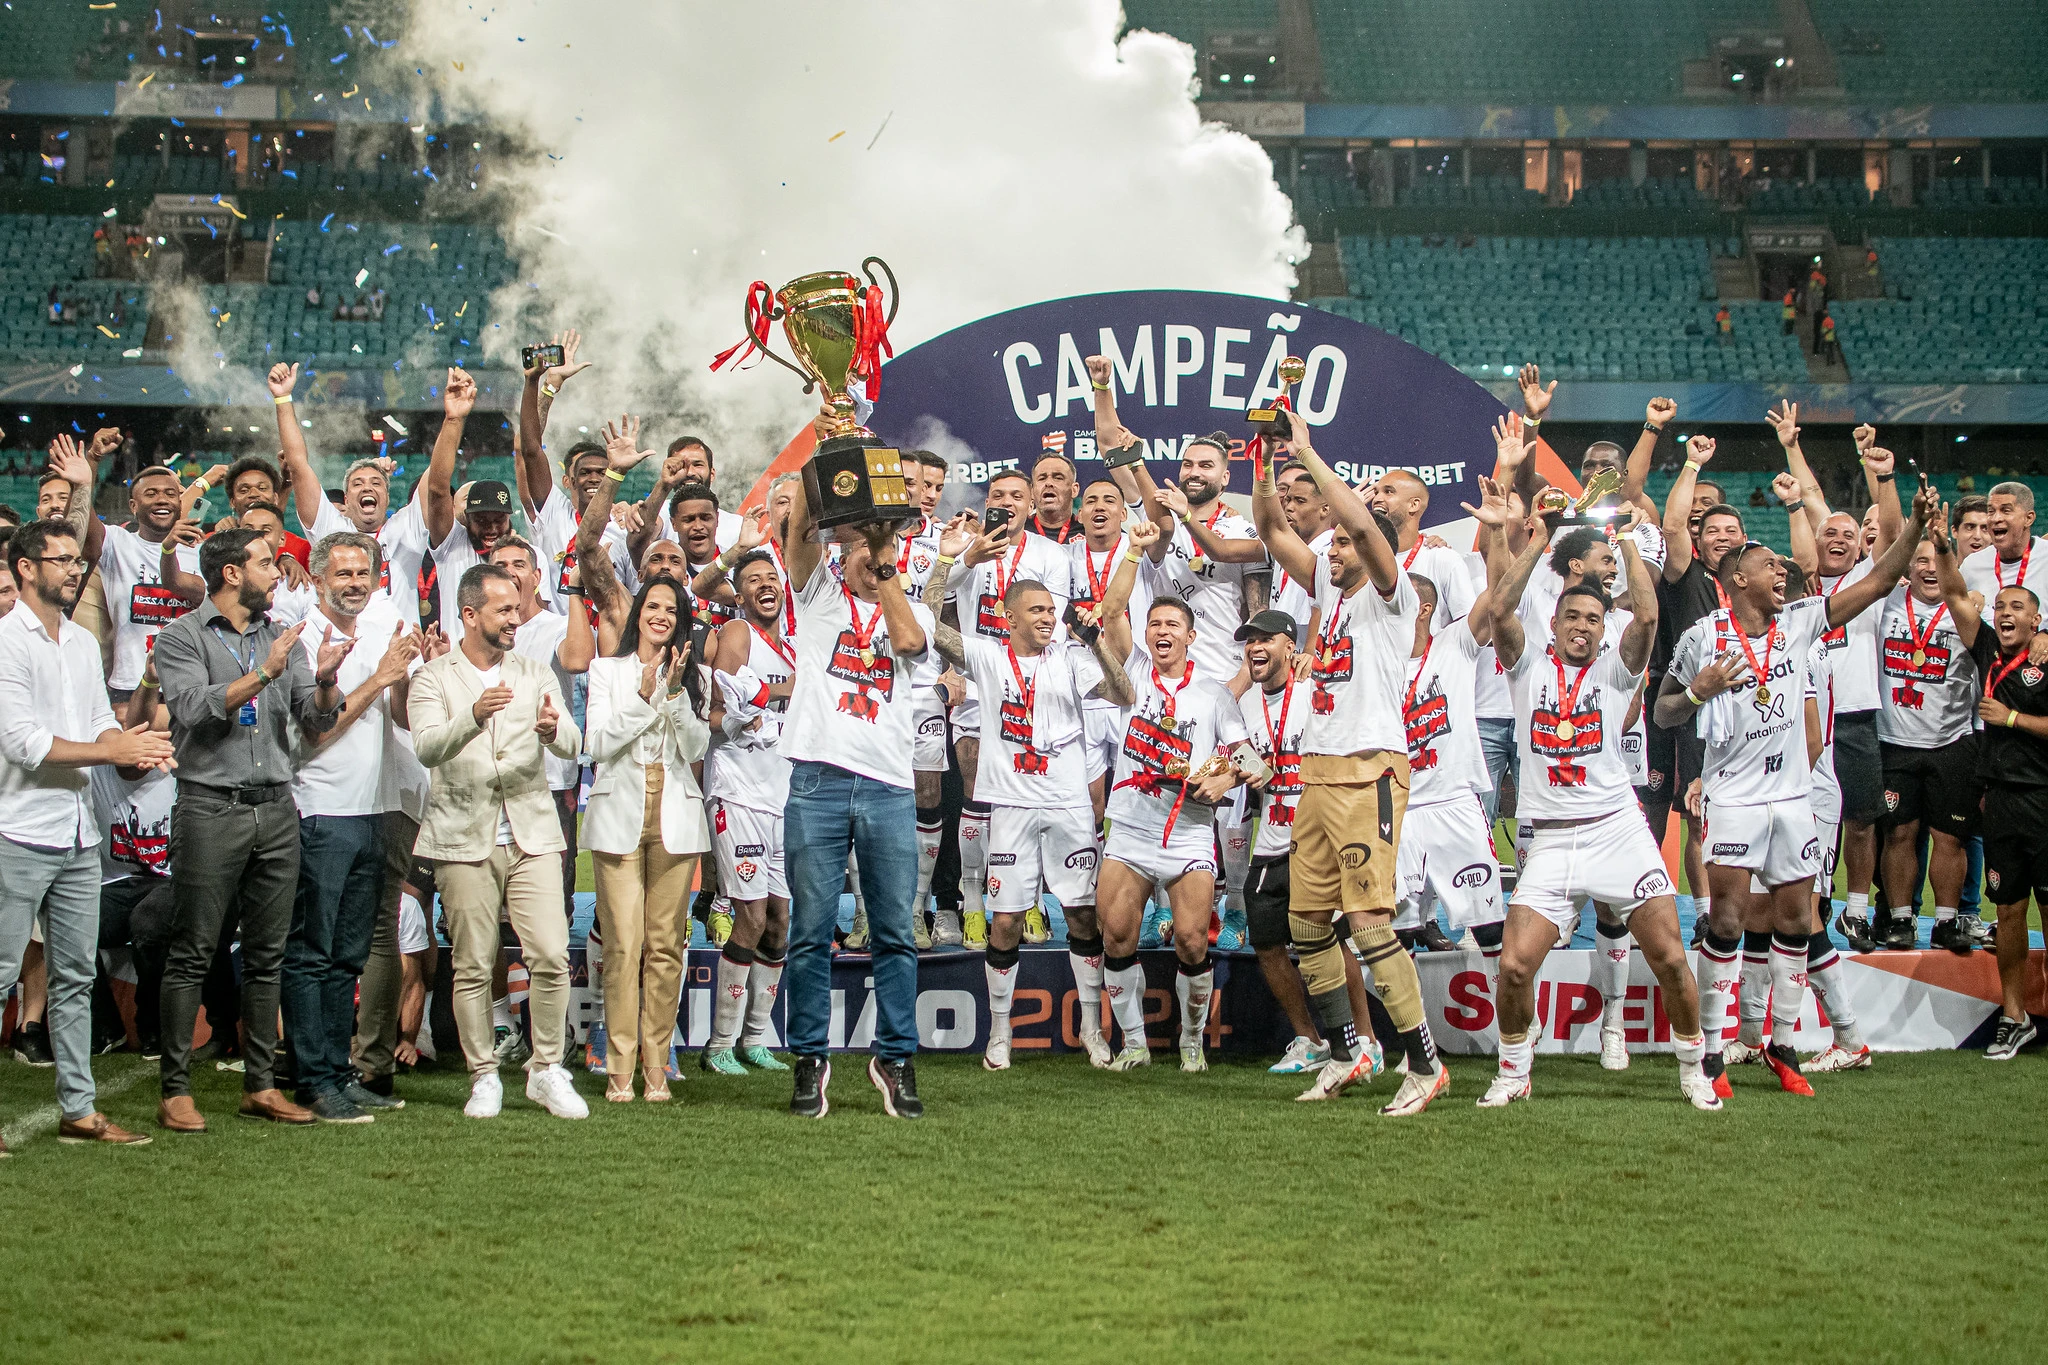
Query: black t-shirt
(2011, 757)
(1679, 605)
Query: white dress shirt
(49, 690)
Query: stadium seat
(1957, 310)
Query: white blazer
(616, 716)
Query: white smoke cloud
(995, 153)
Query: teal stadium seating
(37, 252)
(1967, 310)
(1957, 50)
(1638, 308)
(69, 40)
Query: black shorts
(1660, 758)
(1265, 903)
(1691, 758)
(1859, 766)
(1938, 787)
(2015, 844)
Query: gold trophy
(836, 329)
(1268, 426)
(1584, 509)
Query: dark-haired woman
(644, 825)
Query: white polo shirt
(49, 690)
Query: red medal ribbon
(1413, 550)
(903, 555)
(1004, 580)
(1098, 588)
(1761, 672)
(1921, 637)
(787, 653)
(1408, 698)
(1998, 568)
(1274, 732)
(861, 634)
(788, 591)
(1027, 692)
(1991, 683)
(1568, 700)
(1187, 675)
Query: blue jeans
(64, 885)
(1497, 743)
(830, 809)
(341, 873)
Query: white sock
(860, 901)
(1788, 985)
(1515, 1058)
(1194, 993)
(1237, 863)
(1719, 976)
(1691, 1052)
(1126, 990)
(1612, 967)
(764, 983)
(1754, 1000)
(1825, 977)
(929, 834)
(1905, 912)
(1702, 907)
(1002, 988)
(1858, 906)
(973, 856)
(1088, 989)
(728, 1003)
(1944, 913)
(501, 1012)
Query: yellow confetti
(103, 326)
(232, 209)
(836, 136)
(145, 80)
(101, 7)
(464, 309)
(350, 92)
(110, 184)
(456, 65)
(366, 101)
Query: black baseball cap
(1267, 622)
(488, 495)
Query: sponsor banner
(1878, 404)
(1904, 1002)
(172, 98)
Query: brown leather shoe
(272, 1105)
(178, 1114)
(97, 1128)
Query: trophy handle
(761, 342)
(868, 267)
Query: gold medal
(1919, 658)
(1197, 564)
(867, 658)
(1763, 696)
(1565, 730)
(1166, 723)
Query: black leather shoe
(813, 1075)
(898, 1083)
(1435, 940)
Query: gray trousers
(64, 885)
(228, 862)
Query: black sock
(1420, 1050)
(1333, 1014)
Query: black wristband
(1653, 428)
(1885, 478)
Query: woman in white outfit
(645, 827)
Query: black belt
(241, 796)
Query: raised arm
(68, 462)
(1658, 415)
(307, 495)
(1116, 598)
(1678, 509)
(593, 564)
(1507, 580)
(1351, 510)
(1641, 633)
(458, 396)
(1805, 550)
(1282, 542)
(1962, 607)
(1851, 599)
(1784, 420)
(1879, 467)
(906, 634)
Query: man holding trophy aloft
(850, 726)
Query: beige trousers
(529, 888)
(642, 908)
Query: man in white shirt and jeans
(56, 721)
(338, 787)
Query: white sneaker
(1099, 1055)
(1504, 1091)
(1613, 1049)
(996, 1057)
(486, 1096)
(1835, 1057)
(1337, 1076)
(1191, 1058)
(550, 1087)
(946, 929)
(1131, 1058)
(1417, 1092)
(1739, 1053)
(1301, 1055)
(1699, 1090)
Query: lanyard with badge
(247, 715)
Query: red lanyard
(1760, 671)
(1099, 587)
(1921, 637)
(1991, 683)
(1276, 732)
(1415, 678)
(1059, 537)
(1327, 645)
(787, 653)
(1027, 689)
(1413, 550)
(1567, 698)
(1003, 580)
(788, 591)
(903, 555)
(1998, 568)
(1722, 593)
(861, 634)
(1187, 675)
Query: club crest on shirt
(2031, 676)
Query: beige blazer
(617, 809)
(474, 770)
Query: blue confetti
(294, 175)
(232, 81)
(177, 123)
(287, 35)
(325, 221)
(337, 61)
(394, 247)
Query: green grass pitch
(1052, 1213)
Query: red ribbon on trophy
(760, 312)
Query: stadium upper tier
(1964, 310)
(1958, 50)
(74, 40)
(1584, 308)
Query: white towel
(1720, 720)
